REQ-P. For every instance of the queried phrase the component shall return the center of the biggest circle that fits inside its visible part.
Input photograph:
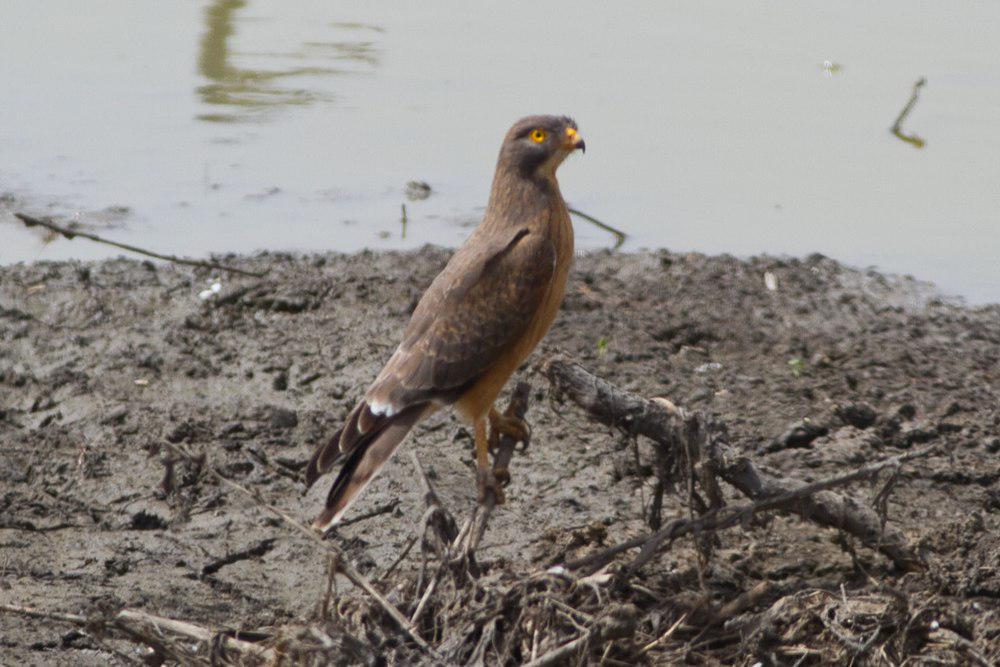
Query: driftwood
(692, 437)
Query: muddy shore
(103, 362)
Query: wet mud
(814, 368)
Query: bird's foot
(489, 480)
(514, 427)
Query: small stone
(799, 434)
(41, 403)
(952, 408)
(701, 395)
(859, 415)
(417, 190)
(143, 520)
(115, 415)
(280, 382)
(233, 428)
(618, 621)
(182, 431)
(917, 433)
(282, 419)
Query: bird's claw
(513, 427)
(488, 480)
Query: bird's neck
(516, 197)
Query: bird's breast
(560, 230)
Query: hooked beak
(573, 141)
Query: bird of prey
(477, 322)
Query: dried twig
(346, 568)
(558, 655)
(897, 127)
(437, 517)
(323, 603)
(400, 558)
(685, 433)
(666, 635)
(741, 602)
(156, 631)
(31, 221)
(384, 508)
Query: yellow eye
(538, 136)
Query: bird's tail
(363, 463)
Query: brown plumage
(477, 322)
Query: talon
(486, 480)
(514, 427)
(502, 476)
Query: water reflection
(246, 93)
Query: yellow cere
(538, 136)
(570, 132)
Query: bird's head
(537, 145)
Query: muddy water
(240, 125)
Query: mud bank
(814, 368)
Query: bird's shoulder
(487, 257)
(478, 305)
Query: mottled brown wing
(478, 307)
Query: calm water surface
(196, 127)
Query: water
(193, 127)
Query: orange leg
(485, 479)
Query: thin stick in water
(897, 127)
(31, 221)
(620, 236)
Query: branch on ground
(693, 437)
